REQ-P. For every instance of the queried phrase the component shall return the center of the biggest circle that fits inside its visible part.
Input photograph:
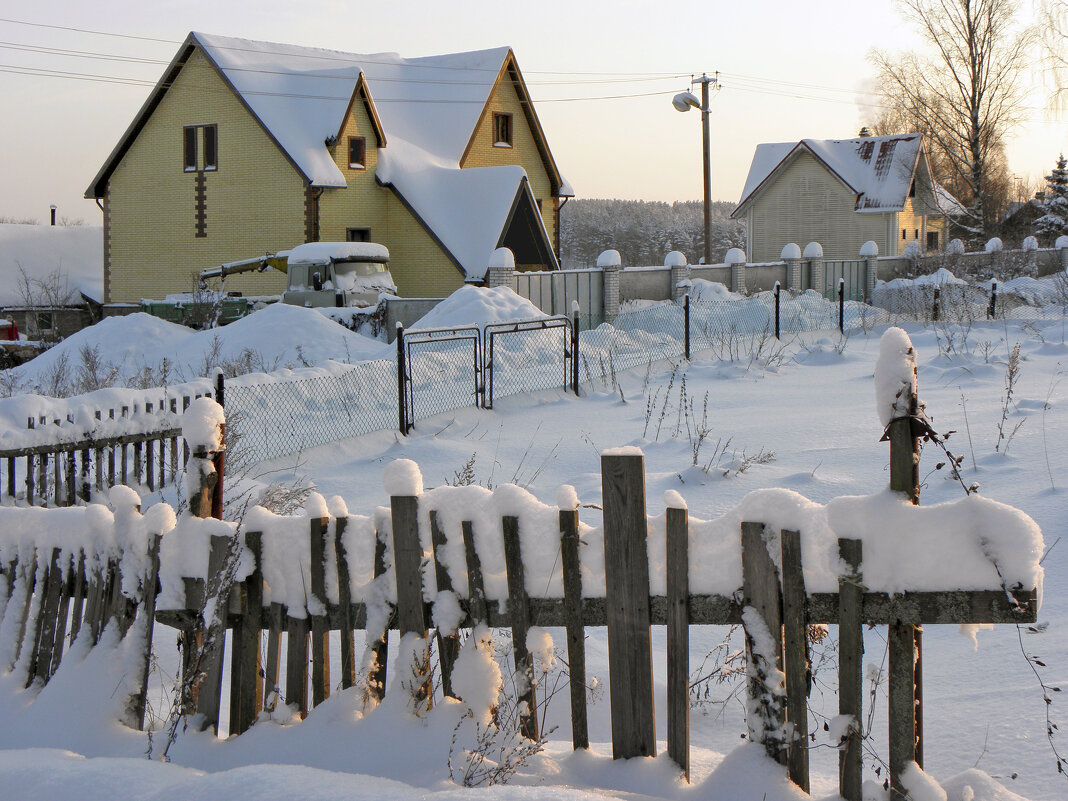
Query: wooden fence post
(576, 635)
(626, 561)
(376, 678)
(448, 645)
(904, 641)
(678, 637)
(138, 700)
(476, 589)
(519, 612)
(407, 563)
(209, 693)
(344, 593)
(850, 668)
(246, 684)
(795, 658)
(760, 588)
(320, 623)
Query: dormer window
(502, 129)
(357, 152)
(189, 140)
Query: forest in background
(642, 231)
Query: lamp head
(683, 101)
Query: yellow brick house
(247, 147)
(843, 193)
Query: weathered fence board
(678, 638)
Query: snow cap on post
(566, 498)
(734, 256)
(791, 250)
(1029, 243)
(994, 245)
(402, 478)
(122, 497)
(895, 376)
(1062, 242)
(869, 250)
(202, 425)
(609, 258)
(675, 259)
(502, 259)
(813, 250)
(672, 500)
(955, 247)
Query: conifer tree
(1054, 221)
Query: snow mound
(711, 290)
(472, 305)
(276, 336)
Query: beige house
(842, 193)
(248, 147)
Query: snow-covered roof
(323, 252)
(947, 204)
(879, 169)
(301, 94)
(72, 253)
(466, 209)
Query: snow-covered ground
(804, 420)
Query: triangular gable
(466, 211)
(879, 169)
(362, 95)
(510, 68)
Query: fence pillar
(791, 254)
(680, 272)
(1062, 252)
(501, 269)
(816, 274)
(626, 560)
(611, 265)
(735, 259)
(871, 270)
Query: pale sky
(788, 71)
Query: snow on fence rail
(467, 557)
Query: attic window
(357, 152)
(211, 150)
(190, 146)
(502, 129)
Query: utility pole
(684, 102)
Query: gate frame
(492, 330)
(424, 336)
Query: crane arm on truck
(272, 261)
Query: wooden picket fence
(66, 469)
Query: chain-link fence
(446, 369)
(281, 416)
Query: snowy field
(802, 418)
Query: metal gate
(554, 291)
(528, 355)
(853, 272)
(442, 370)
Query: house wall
(254, 201)
(524, 150)
(806, 203)
(362, 203)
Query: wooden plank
(574, 624)
(850, 669)
(209, 694)
(85, 483)
(46, 621)
(407, 563)
(376, 673)
(678, 638)
(125, 465)
(42, 477)
(78, 598)
(102, 442)
(519, 611)
(273, 656)
(627, 579)
(137, 463)
(760, 592)
(344, 592)
(66, 591)
(448, 645)
(476, 587)
(150, 465)
(795, 658)
(320, 630)
(11, 476)
(29, 480)
(22, 597)
(139, 698)
(901, 648)
(297, 663)
(246, 684)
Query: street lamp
(684, 101)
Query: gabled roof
(879, 169)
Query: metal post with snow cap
(610, 263)
(869, 251)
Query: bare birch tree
(963, 92)
(1053, 24)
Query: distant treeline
(643, 232)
